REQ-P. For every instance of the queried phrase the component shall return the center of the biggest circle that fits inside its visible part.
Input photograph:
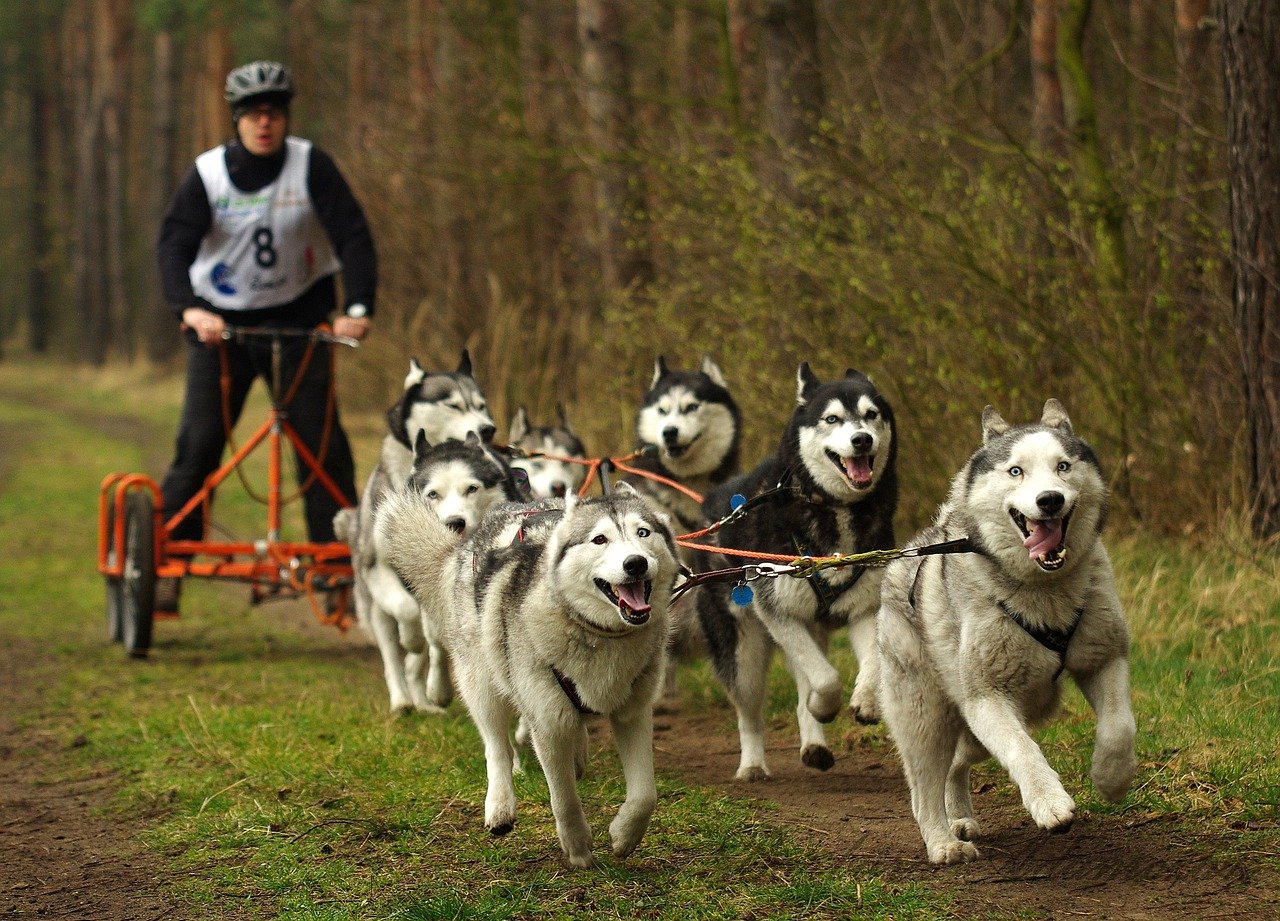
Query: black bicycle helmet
(269, 79)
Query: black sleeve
(183, 227)
(348, 231)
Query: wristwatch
(357, 311)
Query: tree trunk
(112, 64)
(1046, 89)
(215, 122)
(620, 190)
(793, 93)
(88, 265)
(158, 328)
(1251, 76)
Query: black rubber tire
(138, 587)
(115, 590)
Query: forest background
(974, 202)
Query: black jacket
(189, 218)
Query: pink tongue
(1044, 537)
(632, 595)
(858, 469)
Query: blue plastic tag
(742, 595)
(737, 501)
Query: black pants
(202, 434)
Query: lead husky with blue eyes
(552, 611)
(972, 646)
(840, 490)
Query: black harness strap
(1056, 641)
(571, 691)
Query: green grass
(257, 749)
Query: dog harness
(1056, 641)
(571, 691)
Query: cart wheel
(115, 618)
(138, 587)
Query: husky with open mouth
(973, 645)
(839, 491)
(552, 611)
(539, 449)
(438, 406)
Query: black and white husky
(439, 406)
(836, 462)
(690, 425)
(972, 646)
(551, 611)
(548, 478)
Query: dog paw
(1054, 813)
(752, 773)
(824, 706)
(625, 835)
(966, 829)
(952, 851)
(818, 757)
(501, 828)
(427, 706)
(1112, 776)
(865, 708)
(580, 861)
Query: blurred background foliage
(979, 201)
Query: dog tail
(410, 538)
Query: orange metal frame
(272, 567)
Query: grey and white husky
(438, 405)
(548, 477)
(840, 490)
(972, 646)
(551, 611)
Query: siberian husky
(690, 428)
(840, 489)
(972, 646)
(548, 478)
(689, 425)
(439, 405)
(552, 611)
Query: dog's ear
(420, 444)
(570, 502)
(993, 424)
(415, 375)
(519, 425)
(659, 369)
(712, 370)
(473, 440)
(464, 363)
(1055, 416)
(625, 489)
(806, 383)
(562, 416)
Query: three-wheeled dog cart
(136, 549)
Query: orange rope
(658, 478)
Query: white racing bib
(264, 248)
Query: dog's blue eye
(831, 420)
(472, 489)
(1015, 471)
(642, 532)
(433, 495)
(599, 539)
(1063, 466)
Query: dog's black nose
(487, 432)
(456, 524)
(861, 441)
(1050, 502)
(670, 435)
(635, 566)
(558, 490)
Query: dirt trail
(859, 812)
